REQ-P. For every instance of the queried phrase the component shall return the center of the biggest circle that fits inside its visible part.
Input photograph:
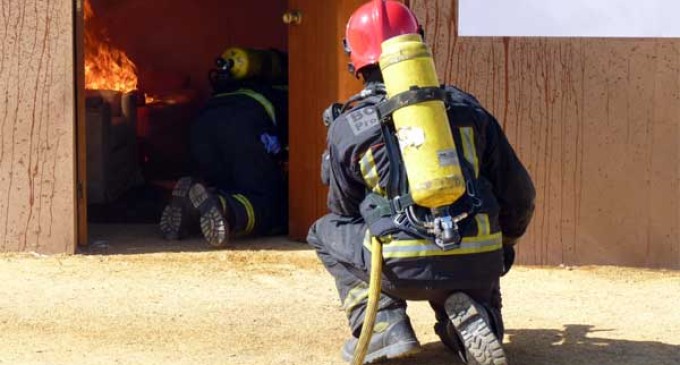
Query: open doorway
(146, 80)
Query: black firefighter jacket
(355, 163)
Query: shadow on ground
(580, 344)
(136, 239)
(575, 345)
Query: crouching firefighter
(238, 145)
(427, 199)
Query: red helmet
(371, 25)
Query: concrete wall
(37, 120)
(596, 121)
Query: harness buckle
(446, 233)
(400, 220)
(398, 205)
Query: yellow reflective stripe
(369, 171)
(250, 211)
(424, 248)
(467, 135)
(483, 225)
(355, 296)
(426, 243)
(223, 202)
(266, 104)
(439, 252)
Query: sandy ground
(270, 302)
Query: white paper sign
(570, 18)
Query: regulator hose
(374, 287)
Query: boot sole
(173, 217)
(481, 345)
(213, 225)
(396, 351)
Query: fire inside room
(150, 68)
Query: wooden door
(81, 132)
(318, 77)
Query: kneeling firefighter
(425, 194)
(238, 145)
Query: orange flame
(106, 67)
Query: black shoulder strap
(471, 181)
(331, 114)
(370, 95)
(412, 96)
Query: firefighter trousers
(229, 154)
(338, 242)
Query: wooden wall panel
(37, 192)
(597, 123)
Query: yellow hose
(373, 299)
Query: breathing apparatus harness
(427, 179)
(397, 212)
(398, 205)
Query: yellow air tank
(250, 63)
(427, 146)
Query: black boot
(393, 337)
(214, 224)
(474, 330)
(178, 215)
(447, 334)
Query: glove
(377, 213)
(509, 241)
(271, 143)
